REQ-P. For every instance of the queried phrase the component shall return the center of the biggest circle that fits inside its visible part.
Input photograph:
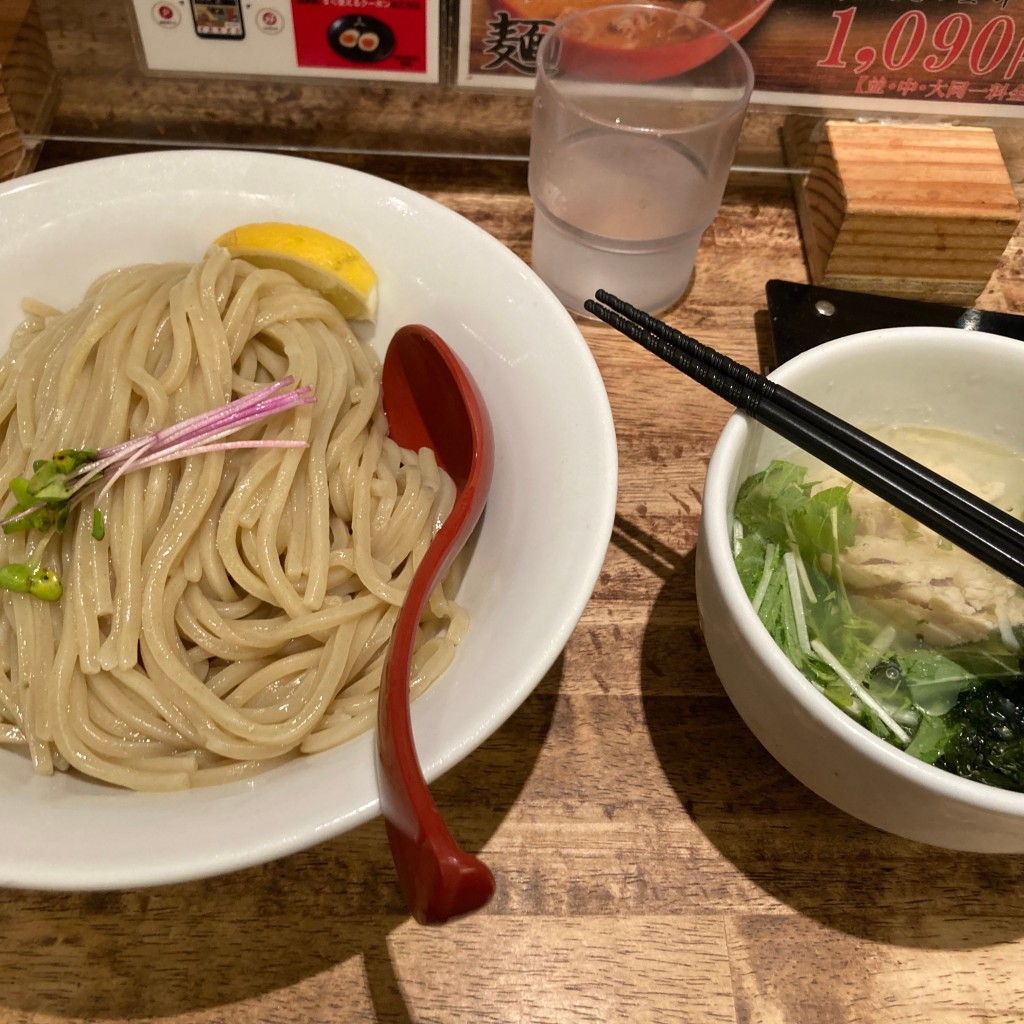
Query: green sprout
(43, 501)
(31, 579)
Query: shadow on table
(798, 848)
(163, 951)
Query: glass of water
(637, 112)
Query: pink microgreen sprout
(44, 500)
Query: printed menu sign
(955, 57)
(382, 40)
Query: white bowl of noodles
(958, 393)
(533, 563)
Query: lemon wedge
(315, 259)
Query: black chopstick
(913, 473)
(978, 527)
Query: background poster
(937, 57)
(376, 40)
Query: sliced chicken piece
(919, 580)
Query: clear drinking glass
(637, 112)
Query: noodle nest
(238, 608)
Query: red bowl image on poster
(679, 52)
(361, 35)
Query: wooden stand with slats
(914, 211)
(28, 85)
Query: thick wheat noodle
(237, 611)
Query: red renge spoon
(430, 401)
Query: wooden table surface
(654, 864)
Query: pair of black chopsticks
(977, 526)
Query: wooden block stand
(914, 211)
(28, 85)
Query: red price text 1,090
(990, 48)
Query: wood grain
(654, 864)
(28, 86)
(919, 211)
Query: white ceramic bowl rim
(556, 465)
(717, 495)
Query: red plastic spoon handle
(430, 401)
